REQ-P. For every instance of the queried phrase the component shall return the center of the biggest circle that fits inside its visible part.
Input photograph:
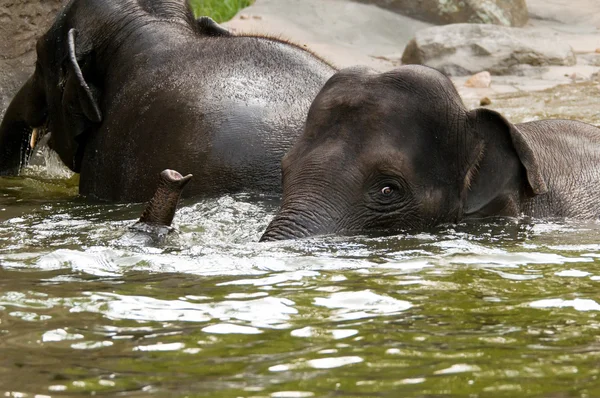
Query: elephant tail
(161, 208)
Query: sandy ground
(347, 33)
(343, 32)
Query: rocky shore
(558, 44)
(524, 45)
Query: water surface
(506, 308)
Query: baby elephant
(399, 150)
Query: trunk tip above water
(161, 208)
(174, 178)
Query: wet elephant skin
(130, 88)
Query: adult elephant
(128, 88)
(399, 150)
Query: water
(500, 309)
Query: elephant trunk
(161, 208)
(285, 227)
(26, 113)
(300, 221)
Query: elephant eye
(387, 191)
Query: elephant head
(65, 93)
(399, 151)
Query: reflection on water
(503, 308)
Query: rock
(442, 12)
(589, 59)
(485, 101)
(575, 77)
(465, 49)
(21, 23)
(479, 80)
(569, 12)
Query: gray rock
(589, 59)
(465, 49)
(569, 12)
(21, 23)
(442, 12)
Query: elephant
(399, 151)
(127, 88)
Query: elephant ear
(502, 165)
(79, 97)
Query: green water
(502, 309)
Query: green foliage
(219, 10)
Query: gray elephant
(128, 88)
(399, 151)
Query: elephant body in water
(399, 151)
(128, 88)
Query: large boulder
(442, 12)
(464, 49)
(21, 23)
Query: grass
(219, 10)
